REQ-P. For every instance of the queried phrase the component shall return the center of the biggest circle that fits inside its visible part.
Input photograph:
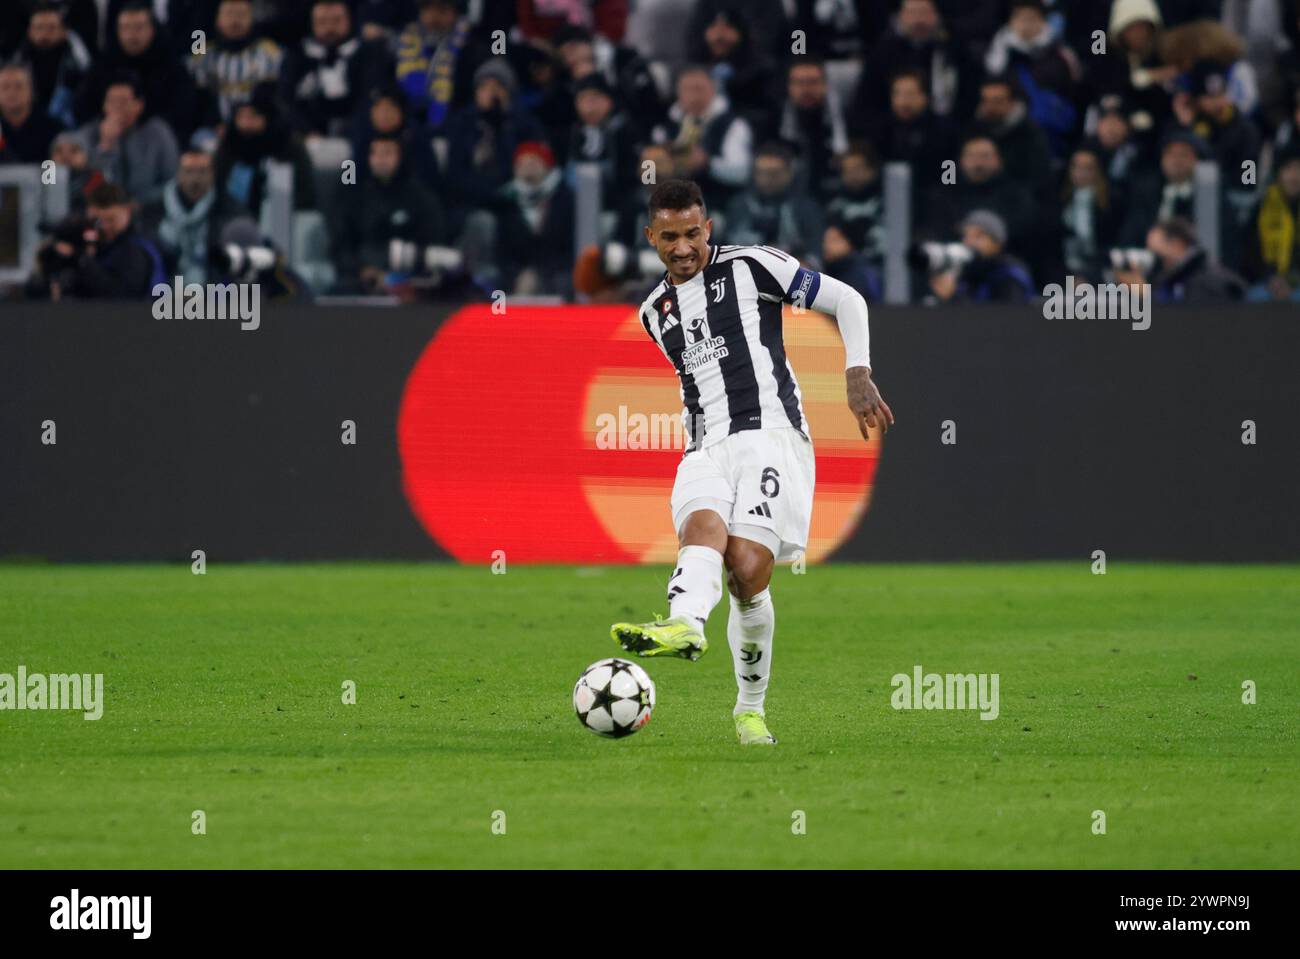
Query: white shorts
(759, 481)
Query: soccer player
(744, 487)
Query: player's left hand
(869, 408)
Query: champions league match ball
(614, 698)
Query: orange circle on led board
(640, 407)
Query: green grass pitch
(223, 694)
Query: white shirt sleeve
(849, 308)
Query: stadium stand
(1044, 138)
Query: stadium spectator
(58, 58)
(482, 137)
(1209, 113)
(738, 66)
(602, 135)
(257, 136)
(100, 255)
(437, 55)
(388, 204)
(69, 151)
(389, 116)
(812, 123)
(765, 22)
(658, 31)
(655, 165)
(848, 265)
(1132, 66)
(775, 210)
(1288, 62)
(981, 184)
(285, 22)
(135, 152)
(973, 25)
(1261, 25)
(380, 21)
(327, 77)
(1208, 48)
(991, 275)
(856, 207)
(1046, 69)
(25, 130)
(613, 272)
(177, 21)
(1176, 82)
(627, 73)
(535, 239)
(167, 89)
(544, 93)
(238, 58)
(1089, 217)
(80, 17)
(916, 40)
(1285, 138)
(540, 19)
(1122, 158)
(1185, 271)
(841, 29)
(1272, 260)
(1169, 193)
(911, 133)
(188, 217)
(711, 143)
(1004, 116)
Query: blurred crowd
(437, 140)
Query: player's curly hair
(675, 195)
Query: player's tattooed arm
(868, 406)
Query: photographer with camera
(977, 269)
(244, 255)
(98, 255)
(1179, 269)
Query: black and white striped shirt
(721, 330)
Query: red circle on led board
(506, 423)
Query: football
(614, 698)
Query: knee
(749, 568)
(704, 528)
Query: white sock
(696, 585)
(750, 626)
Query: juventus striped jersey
(721, 330)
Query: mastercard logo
(554, 433)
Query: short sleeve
(779, 277)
